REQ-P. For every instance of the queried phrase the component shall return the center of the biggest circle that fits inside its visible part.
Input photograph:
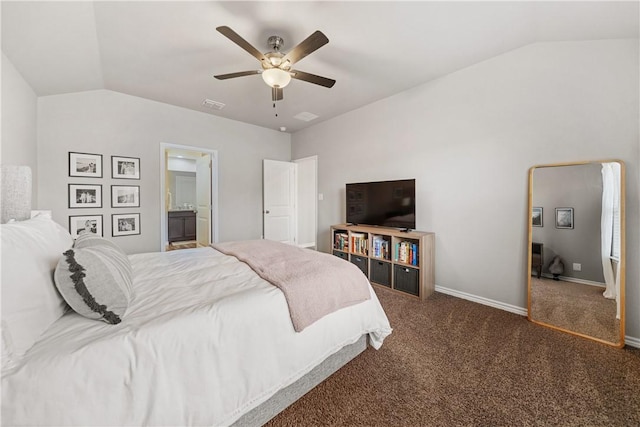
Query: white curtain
(610, 208)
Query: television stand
(403, 260)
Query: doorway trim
(307, 200)
(213, 226)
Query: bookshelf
(402, 261)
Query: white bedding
(204, 341)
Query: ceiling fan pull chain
(274, 98)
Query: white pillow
(31, 250)
(95, 278)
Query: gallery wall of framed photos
(83, 192)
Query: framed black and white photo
(85, 223)
(125, 224)
(85, 196)
(125, 167)
(125, 196)
(564, 217)
(85, 165)
(536, 217)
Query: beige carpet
(451, 362)
(576, 307)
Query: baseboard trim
(484, 301)
(576, 280)
(630, 341)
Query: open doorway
(189, 195)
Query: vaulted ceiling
(169, 51)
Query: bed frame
(15, 183)
(285, 397)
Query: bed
(204, 340)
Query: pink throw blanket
(314, 283)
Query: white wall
(111, 123)
(469, 139)
(19, 117)
(307, 194)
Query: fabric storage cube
(362, 263)
(343, 255)
(406, 279)
(381, 272)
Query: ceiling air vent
(307, 117)
(214, 105)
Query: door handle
(266, 212)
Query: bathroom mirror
(576, 262)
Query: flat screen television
(383, 203)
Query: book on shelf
(341, 241)
(380, 247)
(406, 252)
(359, 243)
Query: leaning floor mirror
(576, 247)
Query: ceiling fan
(276, 67)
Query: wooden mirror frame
(622, 261)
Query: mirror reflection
(576, 249)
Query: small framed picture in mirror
(564, 217)
(536, 217)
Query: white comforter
(204, 341)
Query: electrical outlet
(577, 266)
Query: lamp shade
(276, 77)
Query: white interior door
(279, 192)
(203, 196)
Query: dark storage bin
(343, 255)
(362, 263)
(406, 279)
(381, 272)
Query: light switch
(320, 196)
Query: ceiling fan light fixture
(275, 61)
(276, 77)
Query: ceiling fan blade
(312, 78)
(277, 94)
(234, 75)
(312, 43)
(235, 37)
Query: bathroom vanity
(182, 225)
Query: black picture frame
(564, 218)
(85, 196)
(125, 196)
(125, 224)
(79, 223)
(125, 167)
(536, 217)
(85, 165)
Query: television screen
(384, 203)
